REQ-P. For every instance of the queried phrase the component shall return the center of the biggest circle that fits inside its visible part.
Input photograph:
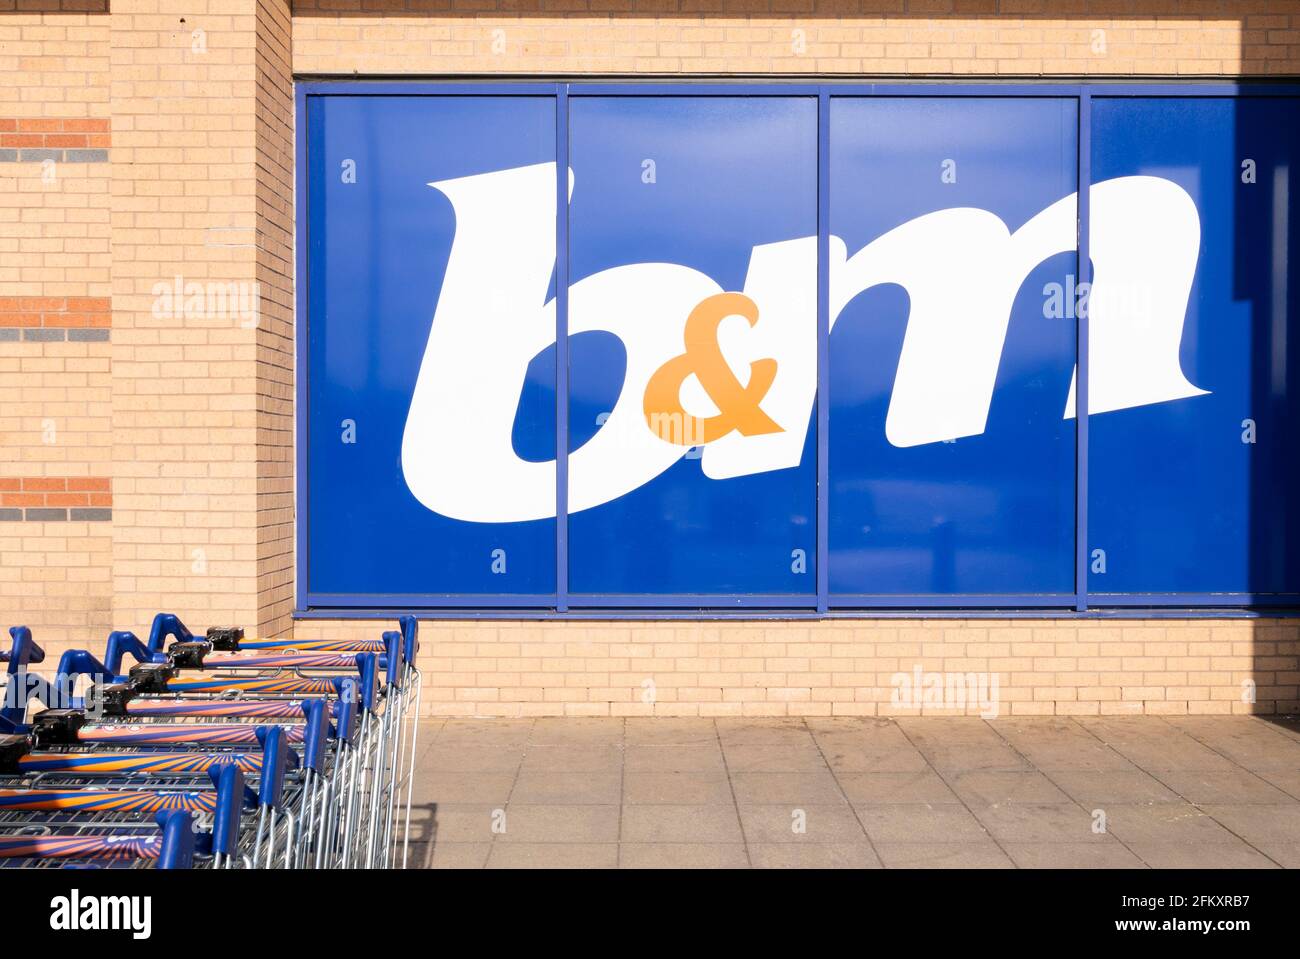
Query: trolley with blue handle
(340, 718)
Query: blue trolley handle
(315, 737)
(24, 686)
(393, 659)
(164, 625)
(365, 685)
(345, 711)
(21, 686)
(410, 634)
(178, 839)
(124, 642)
(81, 662)
(368, 667)
(277, 758)
(232, 797)
(23, 650)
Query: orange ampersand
(737, 405)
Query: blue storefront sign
(794, 348)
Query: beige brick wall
(54, 58)
(815, 37)
(201, 117)
(54, 231)
(189, 411)
(55, 393)
(55, 410)
(54, 578)
(848, 667)
(275, 335)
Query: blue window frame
(886, 461)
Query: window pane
(952, 345)
(431, 430)
(1193, 458)
(693, 466)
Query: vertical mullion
(1084, 271)
(823, 348)
(301, 365)
(562, 347)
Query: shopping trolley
(291, 805)
(49, 816)
(71, 751)
(51, 787)
(91, 775)
(172, 846)
(333, 776)
(387, 741)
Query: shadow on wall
(53, 6)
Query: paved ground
(1195, 791)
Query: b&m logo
(737, 404)
(734, 371)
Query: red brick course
(35, 132)
(56, 312)
(38, 491)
